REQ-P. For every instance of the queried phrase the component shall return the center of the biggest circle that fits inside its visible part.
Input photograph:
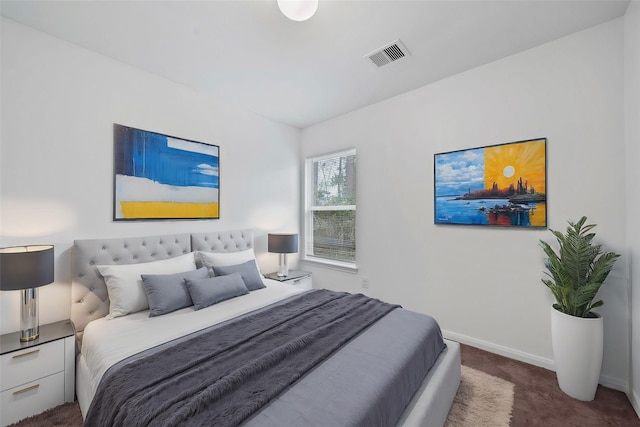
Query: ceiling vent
(388, 54)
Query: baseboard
(532, 359)
(501, 350)
(635, 401)
(615, 384)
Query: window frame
(309, 209)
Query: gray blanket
(225, 374)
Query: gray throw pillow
(248, 270)
(168, 292)
(206, 292)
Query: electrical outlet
(365, 282)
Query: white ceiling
(300, 73)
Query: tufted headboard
(89, 297)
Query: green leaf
(577, 270)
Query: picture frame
(162, 177)
(496, 185)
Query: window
(330, 217)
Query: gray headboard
(89, 297)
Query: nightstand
(39, 374)
(297, 278)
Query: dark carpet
(538, 399)
(540, 402)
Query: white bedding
(108, 341)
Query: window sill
(336, 265)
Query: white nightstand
(39, 374)
(298, 278)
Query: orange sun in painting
(506, 164)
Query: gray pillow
(206, 292)
(168, 292)
(248, 271)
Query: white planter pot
(577, 350)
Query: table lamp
(26, 268)
(282, 244)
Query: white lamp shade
(298, 10)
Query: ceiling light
(298, 10)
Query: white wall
(59, 103)
(632, 126)
(484, 284)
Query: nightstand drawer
(23, 366)
(302, 283)
(298, 278)
(32, 398)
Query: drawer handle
(24, 390)
(26, 354)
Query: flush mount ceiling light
(298, 10)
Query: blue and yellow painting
(162, 177)
(501, 185)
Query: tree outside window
(331, 208)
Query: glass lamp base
(283, 269)
(29, 322)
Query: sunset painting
(163, 177)
(502, 185)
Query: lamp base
(29, 322)
(283, 269)
(28, 335)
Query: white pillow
(124, 282)
(225, 259)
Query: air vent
(388, 54)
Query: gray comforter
(224, 374)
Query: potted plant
(576, 273)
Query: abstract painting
(501, 185)
(162, 177)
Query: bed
(395, 370)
